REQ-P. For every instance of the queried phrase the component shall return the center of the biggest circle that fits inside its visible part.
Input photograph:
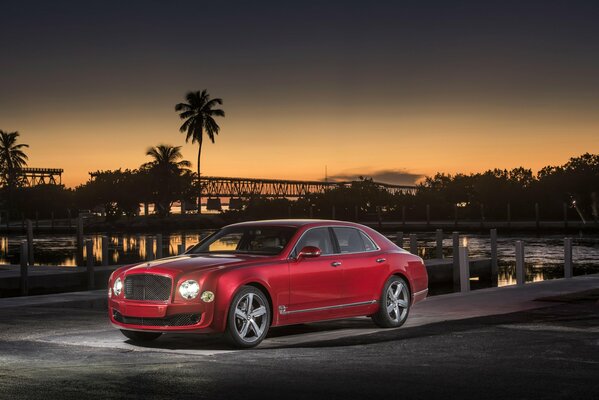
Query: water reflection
(122, 249)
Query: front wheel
(249, 318)
(394, 304)
(137, 336)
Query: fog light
(207, 296)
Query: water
(544, 255)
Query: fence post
(30, 242)
(464, 269)
(439, 243)
(181, 248)
(333, 211)
(413, 243)
(537, 221)
(494, 263)
(568, 258)
(509, 215)
(565, 215)
(149, 248)
(79, 241)
(89, 250)
(105, 250)
(24, 281)
(520, 266)
(455, 236)
(158, 245)
(356, 213)
(399, 239)
(311, 211)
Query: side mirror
(308, 252)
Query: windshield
(265, 240)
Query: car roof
(296, 223)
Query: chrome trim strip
(283, 309)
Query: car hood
(191, 263)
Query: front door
(316, 282)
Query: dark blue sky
(293, 59)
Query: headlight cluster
(117, 287)
(189, 289)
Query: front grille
(173, 320)
(147, 287)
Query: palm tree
(167, 169)
(12, 157)
(199, 113)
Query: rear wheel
(394, 304)
(137, 336)
(249, 318)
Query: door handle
(336, 263)
(380, 260)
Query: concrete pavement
(494, 344)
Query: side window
(368, 243)
(349, 240)
(318, 237)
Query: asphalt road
(552, 352)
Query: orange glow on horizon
(288, 146)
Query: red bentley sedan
(250, 276)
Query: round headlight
(207, 296)
(189, 289)
(117, 287)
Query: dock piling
(494, 262)
(520, 266)
(439, 237)
(24, 279)
(89, 255)
(568, 258)
(464, 269)
(413, 244)
(30, 242)
(399, 239)
(455, 236)
(158, 245)
(105, 242)
(149, 248)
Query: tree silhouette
(12, 157)
(199, 113)
(167, 170)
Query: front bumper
(158, 316)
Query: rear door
(363, 265)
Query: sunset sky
(394, 90)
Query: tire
(137, 336)
(245, 330)
(394, 304)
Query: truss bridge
(41, 176)
(216, 187)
